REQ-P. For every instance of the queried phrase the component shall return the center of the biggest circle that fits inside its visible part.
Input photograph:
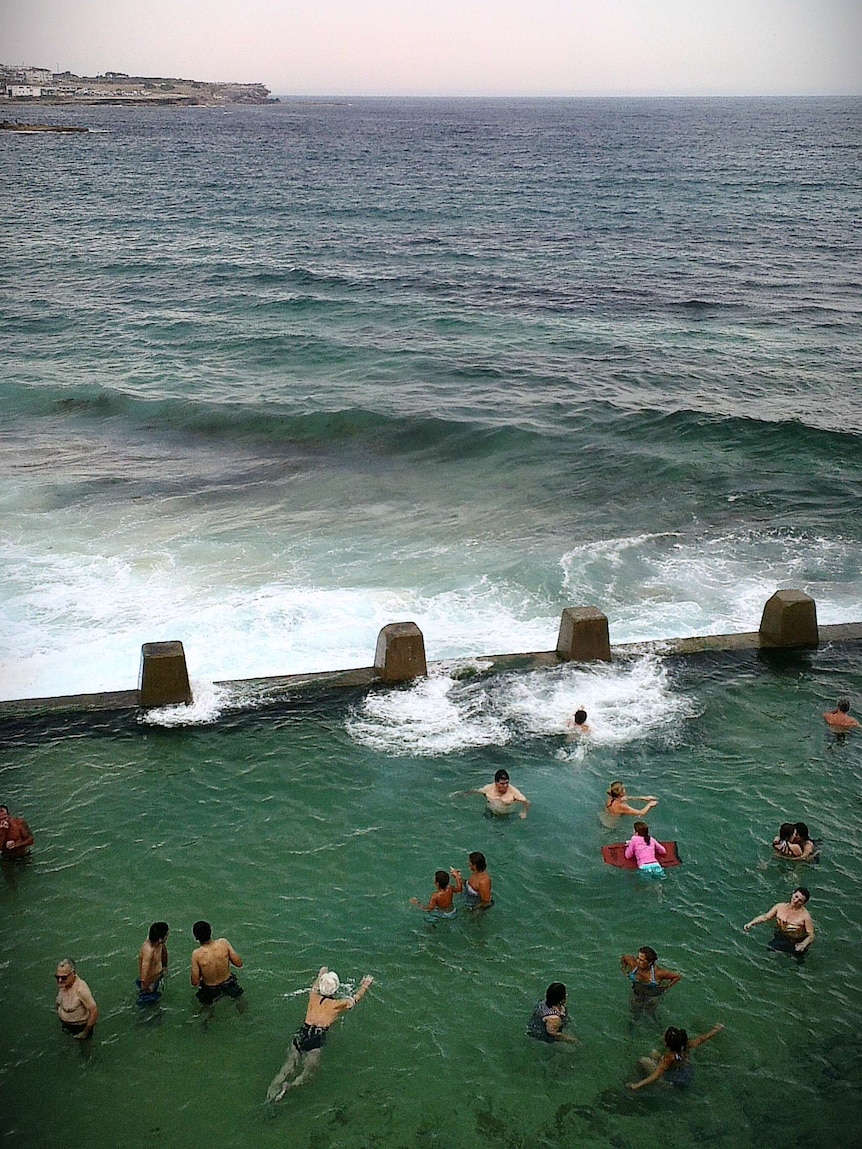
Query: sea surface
(273, 377)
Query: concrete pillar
(584, 635)
(790, 619)
(400, 653)
(164, 679)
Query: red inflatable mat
(615, 855)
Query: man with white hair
(76, 1008)
(307, 1045)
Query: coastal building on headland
(25, 83)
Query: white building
(23, 91)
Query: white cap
(328, 983)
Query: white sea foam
(74, 618)
(444, 713)
(206, 707)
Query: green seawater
(303, 845)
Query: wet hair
(676, 1039)
(203, 931)
(478, 860)
(501, 776)
(616, 790)
(649, 953)
(555, 994)
(66, 963)
(843, 705)
(580, 717)
(802, 890)
(643, 829)
(2, 808)
(786, 831)
(442, 879)
(802, 830)
(158, 932)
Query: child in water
(440, 905)
(675, 1063)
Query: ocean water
(274, 377)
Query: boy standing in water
(152, 964)
(440, 905)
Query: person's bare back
(211, 962)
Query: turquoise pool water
(301, 830)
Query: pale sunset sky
(454, 47)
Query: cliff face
(118, 88)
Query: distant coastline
(29, 86)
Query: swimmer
(211, 963)
(76, 1007)
(617, 804)
(15, 836)
(578, 722)
(550, 1017)
(801, 841)
(502, 797)
(783, 845)
(649, 980)
(794, 927)
(840, 718)
(674, 1065)
(306, 1048)
(477, 889)
(152, 964)
(440, 904)
(644, 849)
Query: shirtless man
(794, 928)
(578, 722)
(152, 963)
(840, 718)
(76, 1008)
(15, 836)
(211, 963)
(306, 1049)
(501, 795)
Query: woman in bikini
(618, 803)
(649, 980)
(794, 927)
(477, 888)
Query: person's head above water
(158, 932)
(802, 832)
(786, 831)
(477, 860)
(555, 994)
(642, 829)
(676, 1039)
(843, 705)
(203, 931)
(580, 717)
(328, 984)
(616, 790)
(502, 778)
(803, 892)
(649, 954)
(442, 879)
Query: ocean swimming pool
(301, 831)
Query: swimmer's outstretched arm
(696, 1041)
(763, 918)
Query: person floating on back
(211, 962)
(306, 1048)
(674, 1065)
(440, 904)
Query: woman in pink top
(643, 849)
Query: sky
(453, 47)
